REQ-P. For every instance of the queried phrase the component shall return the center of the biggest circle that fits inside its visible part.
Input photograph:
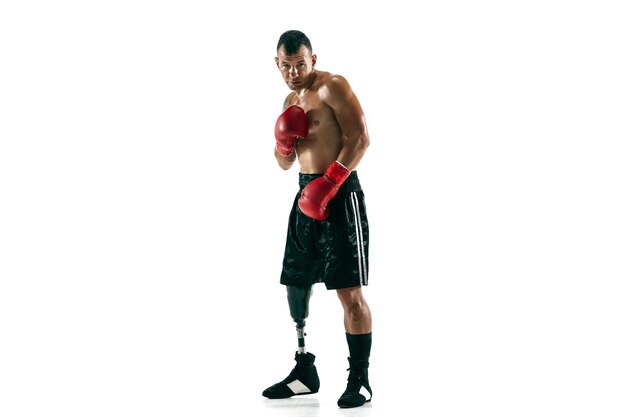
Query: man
(323, 126)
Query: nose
(293, 71)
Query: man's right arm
(291, 125)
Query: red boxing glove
(291, 124)
(317, 194)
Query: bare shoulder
(335, 88)
(332, 81)
(291, 98)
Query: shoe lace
(354, 379)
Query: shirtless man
(323, 126)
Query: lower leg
(358, 326)
(298, 298)
(357, 318)
(303, 378)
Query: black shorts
(333, 251)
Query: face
(296, 69)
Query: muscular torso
(325, 139)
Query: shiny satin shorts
(333, 251)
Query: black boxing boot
(358, 381)
(301, 380)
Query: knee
(354, 308)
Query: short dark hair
(292, 40)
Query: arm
(317, 194)
(291, 125)
(339, 96)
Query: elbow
(284, 163)
(364, 142)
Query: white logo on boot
(298, 387)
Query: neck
(309, 84)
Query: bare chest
(321, 117)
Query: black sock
(359, 345)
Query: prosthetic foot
(301, 380)
(358, 385)
(303, 377)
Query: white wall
(143, 215)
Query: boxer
(323, 127)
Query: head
(295, 59)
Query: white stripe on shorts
(359, 239)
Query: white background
(143, 216)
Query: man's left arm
(317, 194)
(351, 119)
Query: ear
(313, 59)
(276, 60)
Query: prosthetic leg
(298, 298)
(303, 378)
